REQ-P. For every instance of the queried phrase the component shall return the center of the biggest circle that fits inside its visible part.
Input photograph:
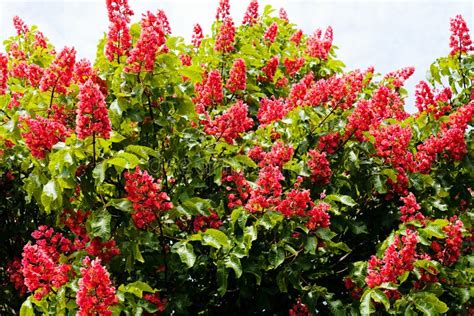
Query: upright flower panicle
(251, 15)
(223, 10)
(271, 33)
(42, 134)
(209, 91)
(460, 40)
(96, 294)
(197, 35)
(152, 37)
(237, 76)
(92, 115)
(118, 37)
(20, 26)
(58, 75)
(320, 168)
(271, 110)
(226, 36)
(148, 200)
(3, 73)
(230, 124)
(319, 45)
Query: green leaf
(246, 161)
(27, 308)
(380, 297)
(99, 223)
(222, 275)
(185, 252)
(429, 304)
(136, 288)
(99, 173)
(270, 220)
(137, 254)
(234, 263)
(49, 195)
(197, 206)
(433, 231)
(311, 245)
(344, 199)
(366, 305)
(215, 238)
(276, 256)
(379, 184)
(325, 233)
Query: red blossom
(155, 299)
(239, 195)
(41, 272)
(251, 15)
(223, 10)
(271, 110)
(299, 309)
(20, 26)
(296, 37)
(148, 200)
(293, 65)
(197, 35)
(283, 15)
(152, 38)
(318, 216)
(92, 115)
(226, 36)
(118, 37)
(237, 76)
(270, 69)
(42, 134)
(164, 22)
(329, 143)
(397, 259)
(410, 209)
(202, 223)
(460, 40)
(320, 168)
(104, 250)
(15, 276)
(271, 33)
(398, 77)
(230, 124)
(318, 46)
(3, 73)
(96, 294)
(268, 191)
(59, 74)
(209, 91)
(296, 203)
(427, 101)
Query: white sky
(386, 34)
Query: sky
(386, 34)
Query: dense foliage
(244, 173)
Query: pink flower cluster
(223, 10)
(296, 37)
(3, 73)
(230, 124)
(155, 299)
(271, 110)
(197, 35)
(398, 258)
(319, 45)
(270, 69)
(32, 72)
(59, 74)
(96, 294)
(41, 268)
(299, 309)
(460, 40)
(271, 33)
(293, 65)
(92, 115)
(329, 143)
(451, 251)
(20, 26)
(410, 209)
(398, 77)
(320, 168)
(237, 76)
(226, 36)
(15, 276)
(201, 223)
(146, 196)
(209, 91)
(42, 134)
(152, 38)
(239, 195)
(251, 15)
(427, 101)
(118, 37)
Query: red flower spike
(92, 115)
(237, 76)
(3, 73)
(42, 134)
(251, 15)
(319, 166)
(197, 35)
(59, 74)
(119, 40)
(271, 110)
(226, 36)
(152, 38)
(96, 294)
(460, 40)
(271, 33)
(318, 46)
(223, 10)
